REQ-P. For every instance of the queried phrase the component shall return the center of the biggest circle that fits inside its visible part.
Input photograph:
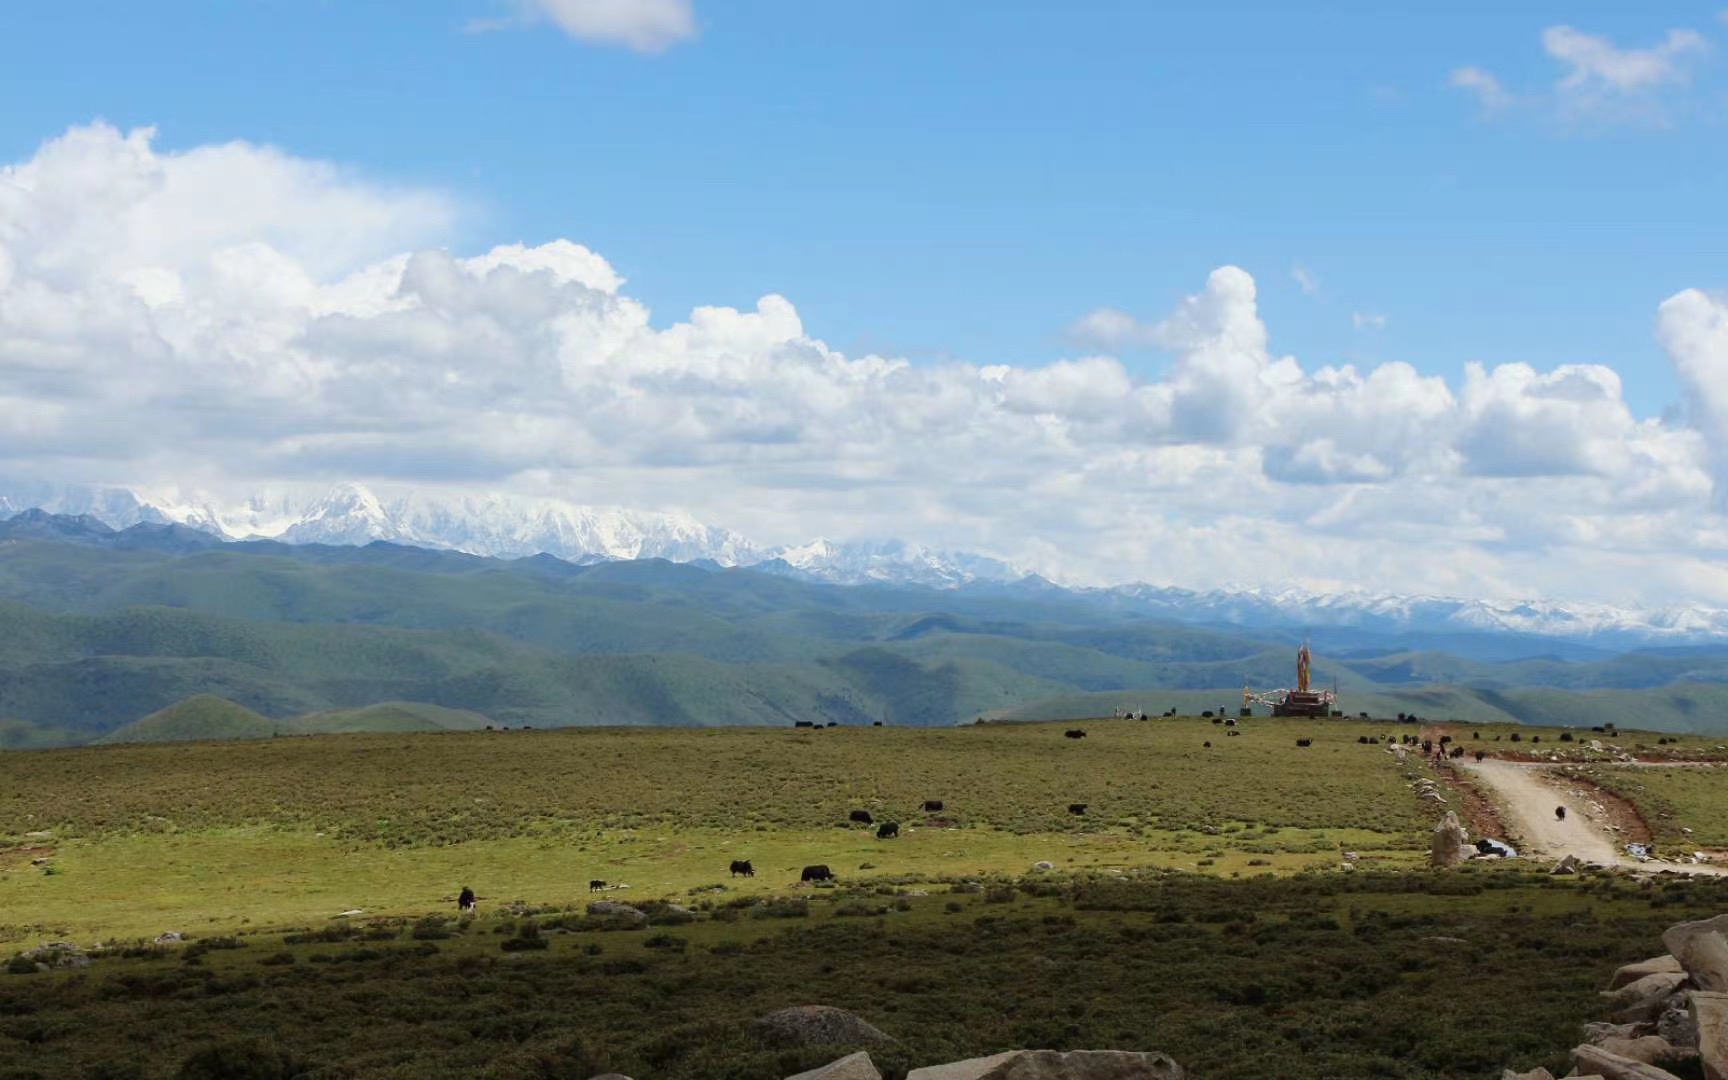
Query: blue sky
(931, 181)
(961, 186)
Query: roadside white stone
(1449, 843)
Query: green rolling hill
(104, 643)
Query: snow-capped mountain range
(514, 526)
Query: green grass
(288, 829)
(1683, 797)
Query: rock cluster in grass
(1670, 1010)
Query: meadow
(1682, 804)
(153, 837)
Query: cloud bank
(232, 318)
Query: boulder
(1710, 1015)
(1650, 1049)
(1056, 1065)
(1043, 864)
(1702, 950)
(1630, 973)
(1645, 998)
(1612, 1066)
(168, 937)
(1538, 1073)
(1568, 865)
(817, 1025)
(856, 1066)
(1449, 847)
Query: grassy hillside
(389, 716)
(202, 716)
(101, 638)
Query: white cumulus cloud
(1489, 92)
(155, 332)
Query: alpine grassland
(1682, 802)
(1252, 907)
(292, 829)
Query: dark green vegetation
(97, 638)
(1415, 976)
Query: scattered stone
(1448, 846)
(1568, 865)
(817, 1025)
(56, 954)
(169, 937)
(1710, 1018)
(612, 907)
(350, 913)
(1538, 1073)
(1043, 864)
(609, 1076)
(856, 1066)
(1056, 1065)
(1702, 951)
(1597, 1030)
(1677, 1025)
(1630, 973)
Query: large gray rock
(1710, 1014)
(1702, 950)
(1644, 999)
(817, 1025)
(1612, 1066)
(856, 1066)
(1056, 1065)
(1538, 1073)
(1629, 973)
(1449, 847)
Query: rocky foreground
(1670, 1010)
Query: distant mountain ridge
(508, 526)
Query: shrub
(243, 1059)
(667, 942)
(431, 928)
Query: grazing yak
(465, 902)
(932, 806)
(803, 723)
(862, 817)
(1075, 733)
(1076, 808)
(888, 830)
(1304, 742)
(742, 866)
(819, 872)
(596, 885)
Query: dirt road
(1527, 795)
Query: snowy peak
(511, 526)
